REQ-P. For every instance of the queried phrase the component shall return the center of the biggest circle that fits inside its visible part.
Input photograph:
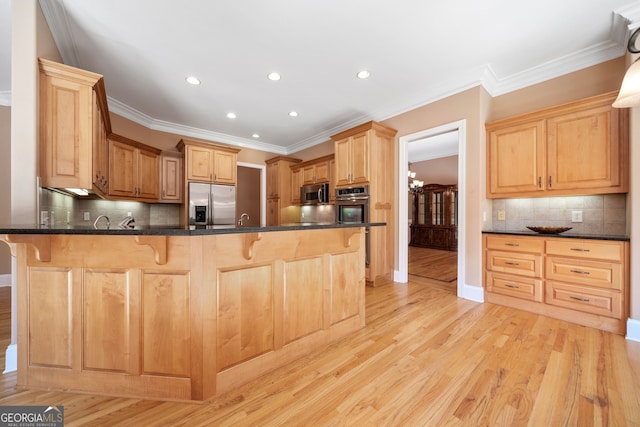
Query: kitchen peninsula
(179, 313)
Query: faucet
(95, 223)
(127, 222)
(243, 217)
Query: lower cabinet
(578, 280)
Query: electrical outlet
(44, 217)
(86, 216)
(501, 216)
(576, 216)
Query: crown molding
(136, 116)
(5, 98)
(56, 17)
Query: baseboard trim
(473, 293)
(11, 359)
(5, 280)
(633, 329)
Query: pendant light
(629, 95)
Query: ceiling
(417, 51)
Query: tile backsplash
(64, 206)
(601, 214)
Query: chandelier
(415, 185)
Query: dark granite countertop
(170, 230)
(564, 235)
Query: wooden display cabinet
(435, 217)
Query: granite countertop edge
(171, 230)
(566, 235)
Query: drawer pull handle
(580, 250)
(579, 272)
(512, 263)
(512, 286)
(580, 299)
(515, 245)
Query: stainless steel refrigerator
(212, 204)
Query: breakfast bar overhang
(179, 314)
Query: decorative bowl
(548, 230)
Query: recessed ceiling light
(364, 74)
(193, 80)
(255, 135)
(273, 76)
(231, 115)
(293, 114)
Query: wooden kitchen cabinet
(362, 156)
(74, 123)
(212, 163)
(133, 169)
(576, 148)
(583, 281)
(171, 177)
(316, 171)
(280, 188)
(352, 159)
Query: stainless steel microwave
(314, 194)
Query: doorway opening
(403, 223)
(251, 193)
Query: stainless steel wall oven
(352, 207)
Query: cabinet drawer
(529, 265)
(591, 300)
(515, 243)
(606, 275)
(519, 287)
(610, 251)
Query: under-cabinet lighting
(78, 191)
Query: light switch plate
(86, 216)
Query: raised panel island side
(179, 314)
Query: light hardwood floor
(434, 264)
(425, 358)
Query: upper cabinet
(74, 124)
(212, 163)
(352, 158)
(576, 148)
(317, 171)
(134, 169)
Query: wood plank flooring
(425, 358)
(433, 263)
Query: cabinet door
(66, 130)
(224, 169)
(171, 179)
(147, 185)
(273, 212)
(322, 172)
(360, 155)
(122, 169)
(343, 161)
(309, 175)
(199, 164)
(296, 183)
(516, 159)
(273, 183)
(584, 150)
